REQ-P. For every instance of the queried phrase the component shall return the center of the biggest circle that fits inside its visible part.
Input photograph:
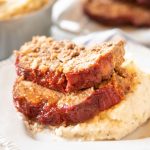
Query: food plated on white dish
(103, 119)
(80, 92)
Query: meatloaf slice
(113, 12)
(66, 67)
(54, 108)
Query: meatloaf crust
(66, 67)
(120, 13)
(54, 108)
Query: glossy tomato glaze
(102, 99)
(49, 79)
(71, 81)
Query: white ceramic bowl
(17, 31)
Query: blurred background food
(67, 19)
(73, 20)
(15, 8)
(20, 20)
(119, 12)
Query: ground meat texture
(50, 107)
(120, 12)
(66, 67)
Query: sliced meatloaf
(112, 12)
(54, 108)
(66, 67)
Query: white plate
(71, 20)
(13, 134)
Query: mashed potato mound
(118, 121)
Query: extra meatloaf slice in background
(66, 67)
(54, 108)
(120, 12)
